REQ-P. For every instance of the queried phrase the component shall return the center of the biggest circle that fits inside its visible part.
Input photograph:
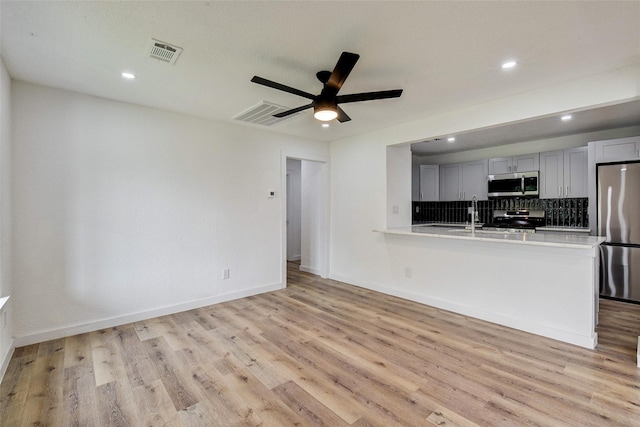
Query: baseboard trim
(311, 270)
(6, 360)
(519, 324)
(139, 316)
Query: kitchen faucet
(474, 212)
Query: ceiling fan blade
(292, 111)
(281, 87)
(344, 66)
(369, 96)
(342, 116)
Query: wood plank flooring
(322, 353)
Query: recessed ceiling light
(325, 125)
(451, 139)
(566, 117)
(509, 64)
(127, 75)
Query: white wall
(314, 224)
(359, 167)
(398, 173)
(294, 209)
(123, 212)
(5, 218)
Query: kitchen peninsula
(546, 284)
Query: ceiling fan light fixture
(325, 113)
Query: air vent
(262, 114)
(164, 51)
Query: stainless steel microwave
(517, 184)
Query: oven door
(522, 184)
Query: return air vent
(164, 51)
(262, 114)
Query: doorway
(306, 216)
(294, 209)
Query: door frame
(325, 191)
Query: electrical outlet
(226, 274)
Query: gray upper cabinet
(563, 173)
(451, 182)
(522, 163)
(415, 183)
(576, 181)
(617, 150)
(460, 181)
(551, 174)
(474, 179)
(429, 183)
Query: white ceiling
(445, 55)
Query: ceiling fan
(325, 105)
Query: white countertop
(562, 229)
(558, 240)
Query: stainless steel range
(520, 221)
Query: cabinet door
(415, 183)
(499, 165)
(552, 174)
(526, 163)
(450, 182)
(429, 183)
(575, 172)
(474, 179)
(618, 150)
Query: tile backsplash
(559, 212)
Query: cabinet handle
(509, 168)
(515, 168)
(421, 195)
(560, 191)
(567, 191)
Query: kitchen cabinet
(576, 181)
(460, 181)
(474, 179)
(415, 183)
(523, 163)
(429, 183)
(450, 182)
(617, 150)
(563, 173)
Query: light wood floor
(322, 353)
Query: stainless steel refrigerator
(619, 222)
